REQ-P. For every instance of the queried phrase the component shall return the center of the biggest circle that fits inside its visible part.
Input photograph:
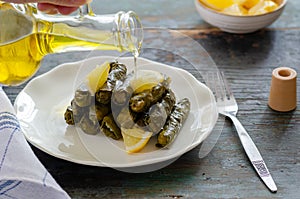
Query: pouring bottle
(27, 35)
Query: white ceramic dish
(238, 24)
(41, 104)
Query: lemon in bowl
(240, 16)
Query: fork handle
(254, 154)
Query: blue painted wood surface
(248, 61)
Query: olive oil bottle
(29, 35)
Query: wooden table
(248, 61)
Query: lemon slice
(97, 77)
(263, 7)
(146, 79)
(235, 9)
(248, 3)
(217, 4)
(135, 139)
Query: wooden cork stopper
(283, 92)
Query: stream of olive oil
(19, 60)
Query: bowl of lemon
(240, 16)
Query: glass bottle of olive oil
(26, 36)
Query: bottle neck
(129, 32)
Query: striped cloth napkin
(21, 173)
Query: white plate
(41, 104)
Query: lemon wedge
(97, 77)
(146, 79)
(235, 9)
(135, 139)
(263, 7)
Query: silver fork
(227, 106)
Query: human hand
(64, 7)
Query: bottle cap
(283, 92)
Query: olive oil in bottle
(26, 39)
(21, 59)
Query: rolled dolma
(69, 116)
(159, 112)
(117, 73)
(89, 122)
(103, 95)
(174, 123)
(154, 119)
(122, 91)
(142, 101)
(110, 128)
(101, 111)
(77, 111)
(82, 96)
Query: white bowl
(238, 24)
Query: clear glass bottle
(27, 35)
